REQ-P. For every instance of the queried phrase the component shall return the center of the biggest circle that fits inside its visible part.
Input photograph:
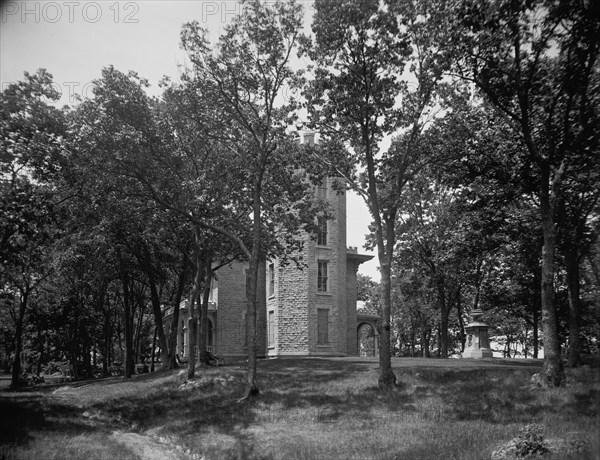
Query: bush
(530, 442)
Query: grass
(309, 409)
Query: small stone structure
(478, 342)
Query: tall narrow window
(214, 290)
(322, 278)
(322, 231)
(246, 282)
(271, 279)
(322, 326)
(271, 328)
(244, 331)
(322, 190)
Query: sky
(74, 40)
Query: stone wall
(231, 312)
(351, 293)
(296, 299)
(335, 299)
(289, 304)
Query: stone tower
(307, 308)
(302, 311)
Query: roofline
(361, 258)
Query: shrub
(530, 442)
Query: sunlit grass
(324, 409)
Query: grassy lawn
(309, 409)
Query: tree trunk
(553, 370)
(536, 338)
(158, 319)
(387, 378)
(425, 336)
(385, 239)
(525, 344)
(192, 344)
(192, 336)
(153, 354)
(572, 265)
(507, 346)
(445, 315)
(138, 332)
(461, 323)
(251, 382)
(208, 273)
(172, 361)
(38, 369)
(107, 342)
(16, 370)
(128, 364)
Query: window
(322, 231)
(271, 279)
(246, 283)
(244, 330)
(322, 326)
(214, 290)
(322, 190)
(271, 328)
(322, 276)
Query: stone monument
(478, 342)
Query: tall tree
(581, 192)
(430, 240)
(536, 62)
(31, 152)
(117, 140)
(377, 72)
(245, 78)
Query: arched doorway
(367, 340)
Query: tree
(245, 78)
(118, 140)
(415, 315)
(198, 182)
(428, 240)
(361, 94)
(482, 165)
(581, 191)
(536, 63)
(367, 289)
(31, 152)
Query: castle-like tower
(307, 310)
(311, 311)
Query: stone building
(309, 311)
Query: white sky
(75, 39)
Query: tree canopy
(468, 128)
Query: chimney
(308, 138)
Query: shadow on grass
(491, 394)
(25, 413)
(314, 390)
